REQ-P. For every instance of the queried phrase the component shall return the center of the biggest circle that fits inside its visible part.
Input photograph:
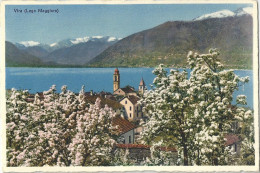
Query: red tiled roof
(133, 146)
(124, 125)
(144, 147)
(231, 139)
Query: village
(131, 117)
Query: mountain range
(68, 52)
(168, 43)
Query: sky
(75, 21)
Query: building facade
(125, 130)
(132, 109)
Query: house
(126, 91)
(125, 130)
(233, 142)
(133, 110)
(106, 95)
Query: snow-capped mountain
(244, 11)
(226, 13)
(65, 43)
(218, 14)
(29, 43)
(79, 51)
(71, 42)
(61, 44)
(94, 38)
(76, 51)
(26, 44)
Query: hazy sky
(73, 21)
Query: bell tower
(141, 87)
(116, 80)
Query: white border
(132, 168)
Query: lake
(96, 79)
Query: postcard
(129, 86)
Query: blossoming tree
(194, 112)
(58, 129)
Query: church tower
(116, 79)
(141, 87)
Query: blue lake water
(96, 79)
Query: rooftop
(133, 99)
(128, 89)
(231, 139)
(142, 82)
(124, 125)
(116, 71)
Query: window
(126, 102)
(130, 108)
(235, 147)
(130, 115)
(130, 140)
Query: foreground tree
(95, 137)
(194, 112)
(57, 129)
